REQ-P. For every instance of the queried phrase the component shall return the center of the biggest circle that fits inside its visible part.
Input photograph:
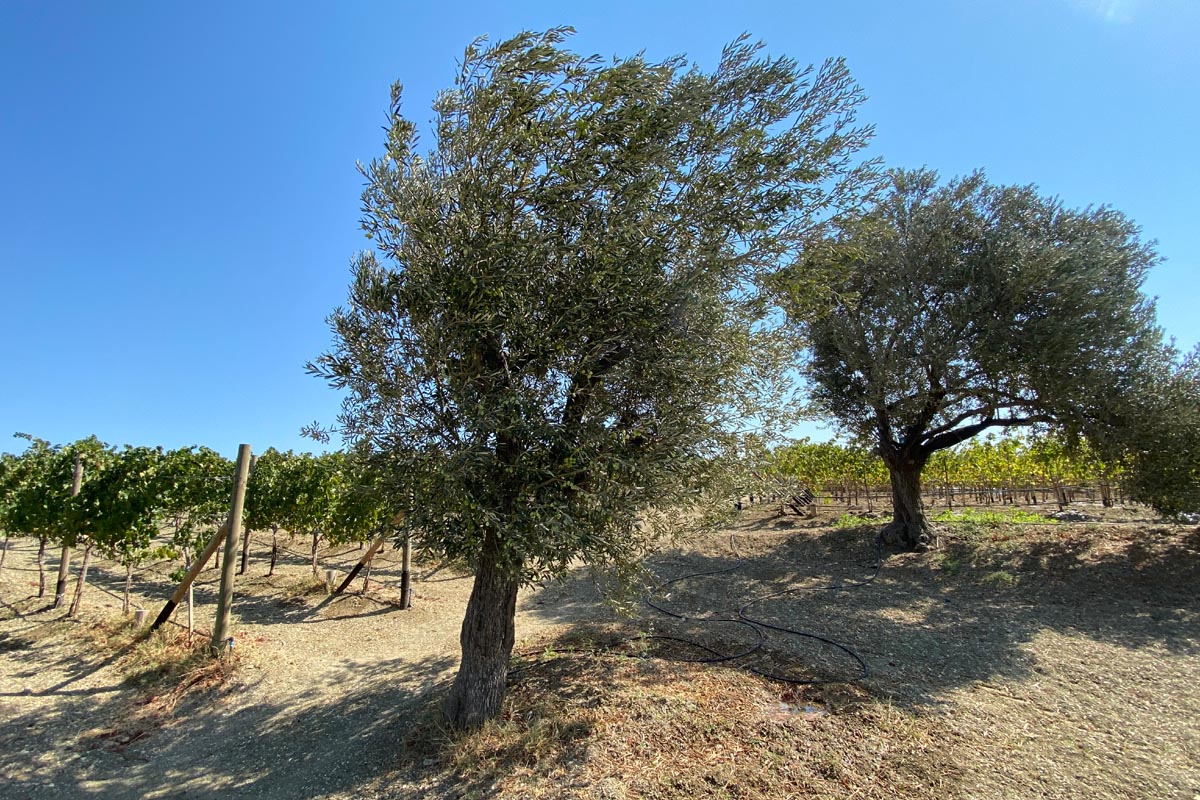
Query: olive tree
(546, 343)
(964, 307)
(1159, 442)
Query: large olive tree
(963, 307)
(547, 342)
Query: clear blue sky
(179, 201)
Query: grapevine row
(991, 470)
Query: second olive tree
(962, 307)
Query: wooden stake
(225, 596)
(184, 587)
(64, 560)
(378, 543)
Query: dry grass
(1018, 660)
(606, 725)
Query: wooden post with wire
(225, 595)
(184, 588)
(64, 560)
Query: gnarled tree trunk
(909, 529)
(487, 640)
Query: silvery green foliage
(966, 306)
(550, 343)
(1161, 442)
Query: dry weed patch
(595, 724)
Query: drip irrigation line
(758, 625)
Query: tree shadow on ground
(217, 745)
(927, 623)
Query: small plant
(947, 563)
(1000, 578)
(303, 587)
(852, 521)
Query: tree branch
(962, 434)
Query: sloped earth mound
(1053, 660)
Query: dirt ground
(1042, 661)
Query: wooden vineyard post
(378, 543)
(184, 589)
(64, 561)
(225, 596)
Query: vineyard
(136, 505)
(1010, 470)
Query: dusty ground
(1016, 661)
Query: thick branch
(962, 434)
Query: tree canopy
(548, 340)
(965, 306)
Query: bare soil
(1055, 660)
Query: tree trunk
(487, 641)
(406, 573)
(60, 585)
(41, 559)
(81, 583)
(909, 529)
(128, 581)
(245, 551)
(316, 538)
(4, 552)
(274, 550)
(367, 575)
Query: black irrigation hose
(759, 625)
